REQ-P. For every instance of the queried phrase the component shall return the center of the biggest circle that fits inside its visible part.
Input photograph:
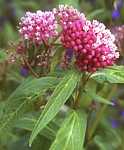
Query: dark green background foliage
(98, 125)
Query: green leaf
(28, 122)
(73, 3)
(3, 55)
(101, 143)
(24, 95)
(9, 32)
(60, 95)
(97, 98)
(95, 13)
(113, 74)
(72, 133)
(29, 4)
(33, 87)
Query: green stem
(77, 99)
(99, 116)
(55, 39)
(82, 84)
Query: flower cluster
(38, 27)
(67, 15)
(92, 44)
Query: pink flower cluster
(38, 27)
(67, 15)
(92, 43)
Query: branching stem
(30, 68)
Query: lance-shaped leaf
(20, 99)
(60, 95)
(72, 133)
(113, 74)
(95, 13)
(27, 123)
(97, 98)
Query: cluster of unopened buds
(91, 44)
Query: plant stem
(54, 40)
(82, 84)
(30, 68)
(99, 115)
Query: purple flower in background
(117, 7)
(24, 71)
(122, 113)
(114, 123)
(115, 14)
(69, 54)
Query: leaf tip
(30, 141)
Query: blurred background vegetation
(111, 12)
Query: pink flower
(38, 27)
(92, 43)
(67, 14)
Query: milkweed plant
(70, 71)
